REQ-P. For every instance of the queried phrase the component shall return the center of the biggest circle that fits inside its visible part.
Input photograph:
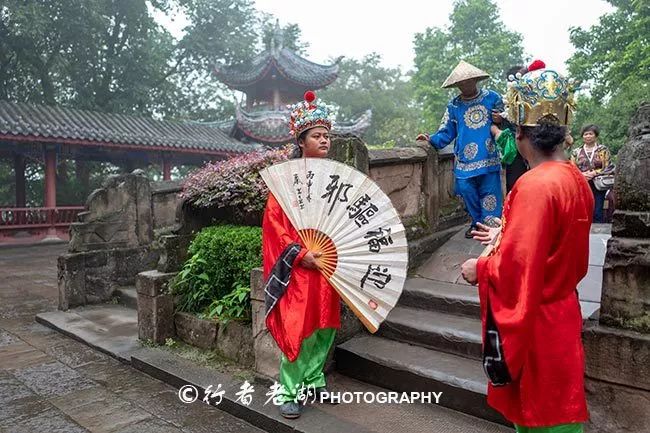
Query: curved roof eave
(288, 64)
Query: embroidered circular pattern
(470, 151)
(476, 116)
(489, 144)
(489, 202)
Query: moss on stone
(639, 324)
(209, 358)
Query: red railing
(38, 217)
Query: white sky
(354, 28)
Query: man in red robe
(303, 310)
(532, 323)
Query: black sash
(494, 363)
(279, 278)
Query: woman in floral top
(592, 159)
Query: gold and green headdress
(540, 96)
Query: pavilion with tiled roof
(275, 73)
(272, 80)
(46, 134)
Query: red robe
(310, 302)
(531, 280)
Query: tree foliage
(364, 84)
(290, 33)
(613, 57)
(113, 56)
(475, 34)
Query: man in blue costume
(467, 120)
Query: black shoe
(324, 396)
(290, 410)
(468, 233)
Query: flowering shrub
(234, 182)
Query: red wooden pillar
(19, 172)
(50, 189)
(167, 169)
(50, 177)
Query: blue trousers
(599, 202)
(482, 196)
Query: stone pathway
(54, 384)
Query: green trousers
(561, 428)
(307, 369)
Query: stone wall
(446, 179)
(408, 176)
(617, 348)
(118, 215)
(113, 241)
(164, 203)
(420, 183)
(452, 211)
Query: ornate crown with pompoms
(308, 114)
(540, 96)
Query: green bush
(221, 259)
(235, 305)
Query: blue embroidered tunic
(468, 122)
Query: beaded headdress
(540, 96)
(308, 114)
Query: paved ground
(53, 384)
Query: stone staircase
(430, 342)
(127, 296)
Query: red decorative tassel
(310, 96)
(537, 64)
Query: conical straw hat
(464, 71)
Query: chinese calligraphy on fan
(361, 212)
(296, 183)
(336, 192)
(378, 238)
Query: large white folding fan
(342, 213)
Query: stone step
(112, 329)
(403, 367)
(445, 332)
(365, 417)
(127, 296)
(441, 296)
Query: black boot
(468, 233)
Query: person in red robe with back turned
(532, 323)
(303, 310)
